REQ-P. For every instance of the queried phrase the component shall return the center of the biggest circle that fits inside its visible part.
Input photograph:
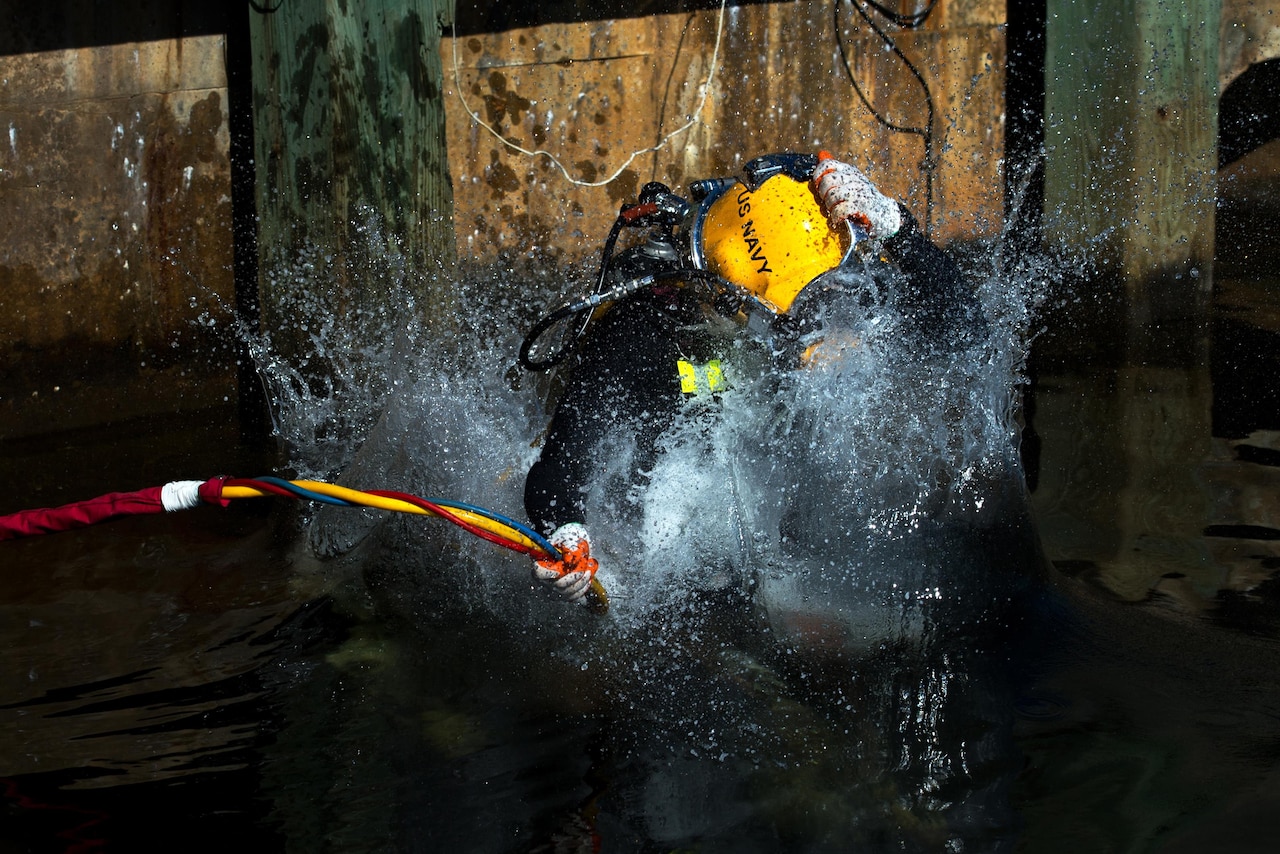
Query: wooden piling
(350, 151)
(1131, 133)
(1130, 179)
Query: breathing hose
(586, 305)
(657, 204)
(581, 306)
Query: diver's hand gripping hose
(569, 576)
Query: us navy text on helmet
(748, 232)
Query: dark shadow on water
(202, 679)
(700, 728)
(1154, 724)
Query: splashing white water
(829, 490)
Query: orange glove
(570, 576)
(846, 194)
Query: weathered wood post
(350, 142)
(1131, 132)
(1130, 184)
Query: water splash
(868, 509)
(797, 477)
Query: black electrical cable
(929, 165)
(907, 22)
(585, 307)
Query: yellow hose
(599, 599)
(382, 502)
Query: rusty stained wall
(594, 93)
(115, 213)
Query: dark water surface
(1158, 499)
(197, 681)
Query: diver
(759, 255)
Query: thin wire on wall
(704, 89)
(929, 164)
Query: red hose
(81, 514)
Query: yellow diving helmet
(766, 233)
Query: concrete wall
(115, 221)
(1250, 33)
(115, 228)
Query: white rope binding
(180, 495)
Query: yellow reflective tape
(715, 376)
(695, 379)
(688, 376)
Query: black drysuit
(625, 376)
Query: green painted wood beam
(349, 126)
(1131, 133)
